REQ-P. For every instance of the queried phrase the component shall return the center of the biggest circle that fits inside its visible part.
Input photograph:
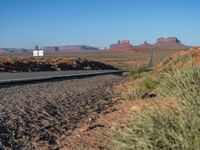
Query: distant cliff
(168, 42)
(124, 44)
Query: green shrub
(55, 67)
(150, 83)
(141, 88)
(136, 73)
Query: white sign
(41, 53)
(37, 53)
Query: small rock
(91, 127)
(52, 140)
(152, 95)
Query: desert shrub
(134, 93)
(167, 129)
(87, 68)
(152, 130)
(55, 67)
(145, 86)
(177, 62)
(136, 72)
(185, 58)
(150, 83)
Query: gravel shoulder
(39, 114)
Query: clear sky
(25, 23)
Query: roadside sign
(35, 53)
(38, 53)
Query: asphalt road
(37, 76)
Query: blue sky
(25, 23)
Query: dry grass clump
(180, 59)
(137, 72)
(166, 128)
(144, 88)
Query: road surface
(47, 75)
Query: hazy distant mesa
(170, 42)
(161, 42)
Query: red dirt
(194, 53)
(95, 135)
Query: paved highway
(47, 75)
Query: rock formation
(145, 45)
(168, 42)
(121, 45)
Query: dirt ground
(96, 135)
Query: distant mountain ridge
(69, 48)
(50, 49)
(14, 50)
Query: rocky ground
(33, 116)
(97, 135)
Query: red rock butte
(121, 44)
(171, 41)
